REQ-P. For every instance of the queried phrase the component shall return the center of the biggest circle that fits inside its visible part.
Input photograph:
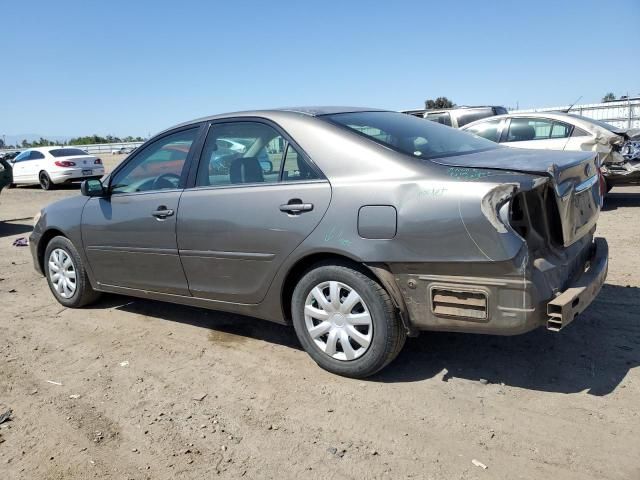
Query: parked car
(374, 225)
(563, 131)
(459, 116)
(9, 155)
(50, 166)
(6, 173)
(122, 150)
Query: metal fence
(96, 148)
(619, 113)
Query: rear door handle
(162, 212)
(295, 208)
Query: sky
(120, 67)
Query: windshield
(67, 152)
(411, 135)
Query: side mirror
(92, 188)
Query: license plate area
(87, 172)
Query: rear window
(67, 152)
(410, 135)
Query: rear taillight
(603, 186)
(97, 161)
(64, 163)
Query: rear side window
(578, 132)
(525, 129)
(443, 117)
(67, 152)
(296, 168)
(489, 130)
(560, 130)
(239, 153)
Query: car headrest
(521, 132)
(246, 170)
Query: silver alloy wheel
(338, 320)
(62, 273)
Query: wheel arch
(378, 272)
(46, 237)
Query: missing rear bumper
(564, 308)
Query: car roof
(576, 120)
(44, 149)
(309, 111)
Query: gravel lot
(151, 390)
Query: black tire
(84, 293)
(608, 187)
(388, 336)
(45, 181)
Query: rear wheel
(66, 274)
(346, 321)
(45, 181)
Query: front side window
(35, 155)
(159, 166)
(489, 130)
(23, 156)
(525, 129)
(410, 135)
(239, 153)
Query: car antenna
(568, 109)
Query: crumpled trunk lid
(573, 176)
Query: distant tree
(440, 102)
(609, 97)
(25, 144)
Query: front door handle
(296, 208)
(162, 212)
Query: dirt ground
(145, 389)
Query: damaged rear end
(557, 219)
(554, 215)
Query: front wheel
(346, 321)
(66, 274)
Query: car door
(130, 235)
(247, 211)
(37, 163)
(20, 167)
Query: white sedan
(49, 166)
(565, 131)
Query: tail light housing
(64, 163)
(603, 184)
(97, 161)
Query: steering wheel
(163, 181)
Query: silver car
(370, 226)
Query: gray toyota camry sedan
(359, 227)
